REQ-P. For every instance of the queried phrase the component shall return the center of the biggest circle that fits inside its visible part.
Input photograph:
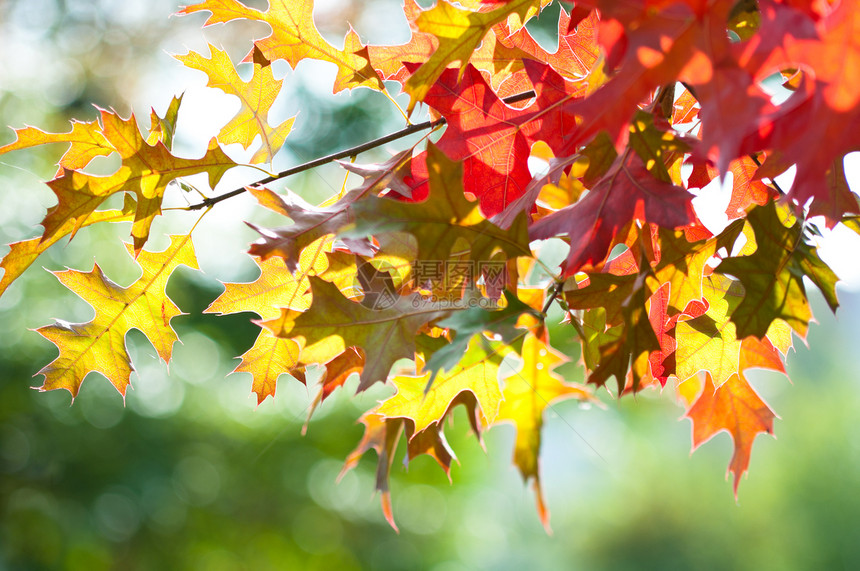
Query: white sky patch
(840, 249)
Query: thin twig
(556, 290)
(406, 131)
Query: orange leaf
(736, 408)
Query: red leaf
(627, 192)
(492, 138)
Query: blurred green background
(190, 474)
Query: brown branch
(406, 131)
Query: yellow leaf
(86, 143)
(145, 171)
(709, 342)
(294, 37)
(256, 97)
(528, 392)
(266, 360)
(275, 288)
(99, 345)
(477, 373)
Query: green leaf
(772, 276)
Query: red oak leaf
(492, 138)
(627, 192)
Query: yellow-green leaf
(527, 393)
(709, 342)
(477, 372)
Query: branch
(406, 131)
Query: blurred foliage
(190, 475)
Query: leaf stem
(346, 153)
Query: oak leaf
(309, 225)
(22, 254)
(255, 96)
(709, 342)
(458, 31)
(736, 408)
(527, 394)
(86, 142)
(446, 218)
(334, 323)
(274, 288)
(626, 193)
(476, 372)
(772, 276)
(146, 170)
(294, 37)
(493, 138)
(99, 345)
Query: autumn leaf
(825, 110)
(710, 342)
(387, 174)
(772, 276)
(604, 290)
(334, 323)
(458, 32)
(99, 345)
(527, 393)
(577, 51)
(476, 372)
(382, 435)
(626, 193)
(493, 138)
(734, 407)
(747, 189)
(86, 142)
(442, 221)
(625, 350)
(163, 128)
(683, 264)
(336, 372)
(438, 256)
(294, 37)
(255, 96)
(309, 224)
(503, 323)
(275, 288)
(145, 171)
